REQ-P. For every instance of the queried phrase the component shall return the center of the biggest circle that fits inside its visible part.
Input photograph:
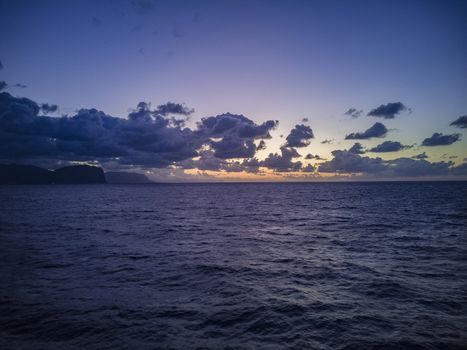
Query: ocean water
(234, 266)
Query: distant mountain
(79, 174)
(120, 177)
(29, 174)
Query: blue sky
(267, 60)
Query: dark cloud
(236, 133)
(3, 85)
(421, 156)
(305, 120)
(22, 86)
(357, 148)
(308, 168)
(261, 145)
(173, 108)
(377, 130)
(354, 113)
(329, 141)
(283, 162)
(233, 147)
(389, 146)
(408, 167)
(235, 125)
(1, 65)
(299, 136)
(146, 138)
(48, 108)
(438, 139)
(460, 122)
(251, 165)
(311, 156)
(388, 111)
(460, 169)
(348, 163)
(209, 162)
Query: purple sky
(398, 63)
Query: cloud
(236, 134)
(261, 145)
(389, 146)
(329, 141)
(460, 169)
(155, 138)
(283, 162)
(235, 125)
(22, 86)
(357, 148)
(377, 130)
(251, 165)
(48, 108)
(345, 162)
(1, 65)
(311, 156)
(209, 161)
(460, 122)
(353, 112)
(408, 167)
(233, 147)
(299, 136)
(388, 111)
(3, 85)
(438, 139)
(308, 169)
(305, 120)
(420, 156)
(173, 108)
(146, 138)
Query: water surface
(234, 266)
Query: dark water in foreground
(247, 266)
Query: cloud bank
(158, 139)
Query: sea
(375, 265)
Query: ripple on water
(234, 266)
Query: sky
(237, 90)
